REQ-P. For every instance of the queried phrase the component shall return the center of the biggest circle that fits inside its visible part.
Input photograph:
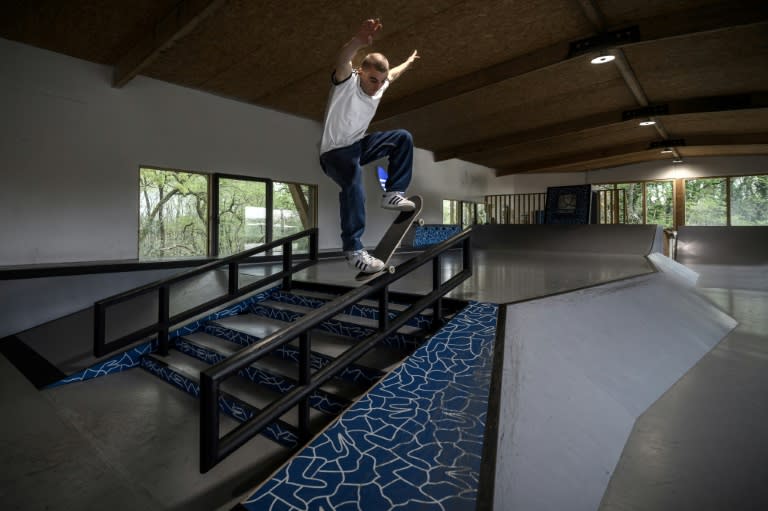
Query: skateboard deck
(392, 238)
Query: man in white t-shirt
(345, 146)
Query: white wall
(691, 167)
(72, 144)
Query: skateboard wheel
(391, 269)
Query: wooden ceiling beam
(576, 159)
(700, 19)
(182, 19)
(586, 160)
(478, 149)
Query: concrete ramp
(678, 272)
(747, 245)
(579, 368)
(603, 239)
(726, 257)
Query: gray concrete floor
(130, 441)
(501, 276)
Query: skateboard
(392, 238)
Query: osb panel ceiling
(496, 83)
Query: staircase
(272, 376)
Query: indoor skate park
(580, 322)
(566, 381)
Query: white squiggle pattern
(132, 358)
(279, 431)
(337, 327)
(121, 362)
(319, 399)
(413, 442)
(317, 360)
(363, 311)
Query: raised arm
(364, 37)
(396, 71)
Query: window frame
(213, 191)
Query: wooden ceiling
(502, 83)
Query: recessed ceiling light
(647, 123)
(666, 150)
(602, 59)
(677, 160)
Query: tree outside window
(706, 201)
(293, 208)
(659, 203)
(173, 212)
(450, 211)
(749, 200)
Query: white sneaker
(362, 261)
(396, 201)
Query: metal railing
(516, 208)
(214, 449)
(163, 287)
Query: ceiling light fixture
(605, 56)
(666, 150)
(648, 122)
(677, 160)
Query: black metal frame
(163, 287)
(487, 479)
(214, 217)
(214, 449)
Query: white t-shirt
(348, 114)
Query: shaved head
(376, 61)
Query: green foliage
(173, 208)
(749, 200)
(173, 214)
(623, 203)
(450, 211)
(287, 216)
(632, 203)
(241, 223)
(705, 201)
(659, 202)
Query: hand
(368, 29)
(413, 57)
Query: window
(659, 202)
(467, 214)
(739, 200)
(706, 201)
(482, 215)
(749, 200)
(649, 202)
(464, 213)
(245, 212)
(173, 214)
(242, 214)
(295, 210)
(451, 212)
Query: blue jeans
(343, 165)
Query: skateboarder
(345, 146)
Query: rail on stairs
(165, 320)
(214, 447)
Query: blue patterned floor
(413, 442)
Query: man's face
(371, 80)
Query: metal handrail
(165, 321)
(214, 449)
